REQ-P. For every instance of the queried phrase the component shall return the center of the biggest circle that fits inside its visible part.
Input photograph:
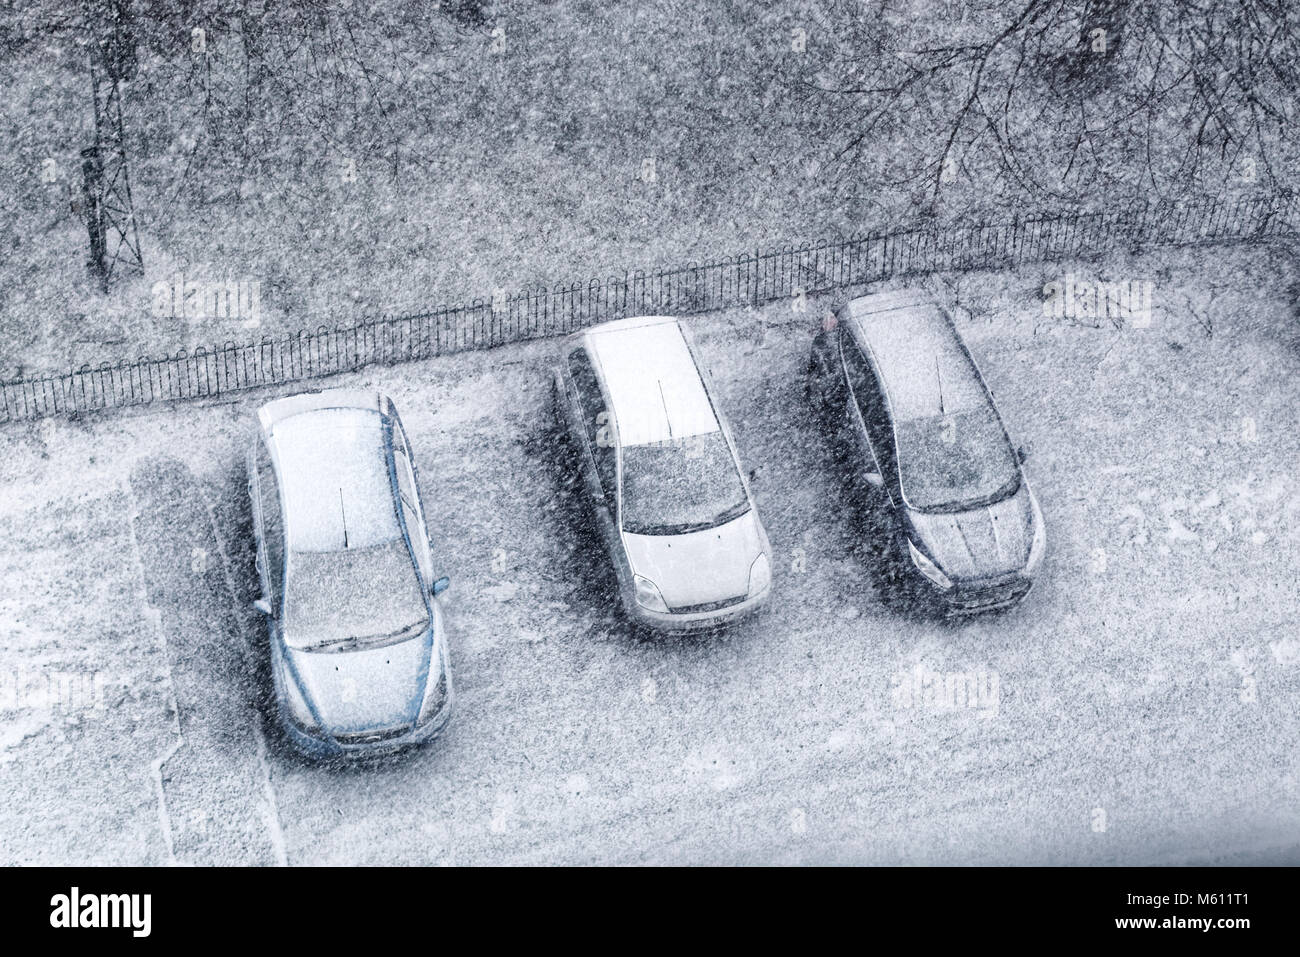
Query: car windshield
(353, 598)
(953, 462)
(681, 485)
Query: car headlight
(928, 568)
(647, 595)
(760, 575)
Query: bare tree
(1066, 101)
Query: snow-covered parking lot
(1139, 707)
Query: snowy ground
(1144, 707)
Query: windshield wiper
(334, 645)
(353, 642)
(730, 515)
(685, 528)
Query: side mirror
(264, 607)
(1022, 453)
(875, 479)
(440, 586)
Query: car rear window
(681, 485)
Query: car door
(865, 412)
(598, 448)
(269, 527)
(409, 501)
(571, 405)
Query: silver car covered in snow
(358, 646)
(661, 472)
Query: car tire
(555, 408)
(812, 387)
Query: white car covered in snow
(660, 469)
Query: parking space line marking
(154, 615)
(164, 818)
(268, 788)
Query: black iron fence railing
(748, 278)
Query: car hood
(364, 690)
(980, 543)
(699, 567)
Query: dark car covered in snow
(893, 380)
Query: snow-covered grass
(563, 140)
(1144, 692)
(586, 138)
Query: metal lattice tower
(110, 213)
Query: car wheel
(565, 456)
(555, 407)
(812, 389)
(809, 374)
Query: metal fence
(748, 278)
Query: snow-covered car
(660, 468)
(349, 593)
(892, 378)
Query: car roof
(917, 352)
(334, 479)
(655, 390)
